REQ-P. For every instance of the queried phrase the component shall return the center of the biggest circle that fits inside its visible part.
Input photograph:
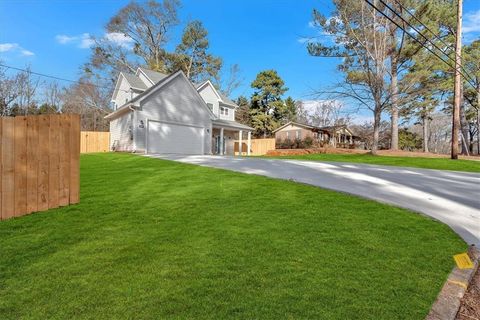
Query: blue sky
(258, 35)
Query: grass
(154, 239)
(415, 162)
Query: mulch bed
(470, 305)
(294, 152)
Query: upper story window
(210, 106)
(224, 111)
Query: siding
(292, 130)
(119, 131)
(177, 102)
(209, 96)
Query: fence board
(75, 159)
(64, 158)
(43, 162)
(258, 146)
(94, 141)
(20, 165)
(54, 160)
(39, 163)
(8, 168)
(32, 163)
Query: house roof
(231, 124)
(154, 76)
(134, 81)
(298, 124)
(147, 92)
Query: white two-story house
(158, 113)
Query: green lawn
(426, 163)
(154, 239)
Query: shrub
(307, 142)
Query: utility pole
(458, 83)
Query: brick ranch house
(336, 136)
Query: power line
(465, 76)
(417, 40)
(56, 78)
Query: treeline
(388, 72)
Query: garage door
(174, 138)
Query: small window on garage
(210, 106)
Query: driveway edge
(449, 299)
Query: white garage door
(174, 138)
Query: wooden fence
(39, 163)
(258, 146)
(94, 141)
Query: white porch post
(249, 144)
(222, 152)
(240, 143)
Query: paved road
(449, 196)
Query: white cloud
(4, 47)
(15, 47)
(119, 39)
(471, 22)
(64, 39)
(85, 40)
(27, 52)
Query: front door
(217, 145)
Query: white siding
(231, 113)
(124, 93)
(176, 102)
(120, 133)
(209, 96)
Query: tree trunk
(394, 98)
(376, 128)
(425, 133)
(464, 129)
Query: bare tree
(137, 34)
(361, 38)
(91, 101)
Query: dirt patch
(470, 304)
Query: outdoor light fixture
(141, 125)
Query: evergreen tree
(267, 105)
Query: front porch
(224, 138)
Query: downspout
(130, 107)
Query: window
(224, 111)
(287, 134)
(210, 106)
(298, 134)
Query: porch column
(221, 142)
(240, 143)
(249, 144)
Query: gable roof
(151, 75)
(297, 124)
(221, 97)
(134, 81)
(134, 102)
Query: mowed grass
(154, 239)
(415, 162)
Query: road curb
(448, 301)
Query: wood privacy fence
(258, 146)
(94, 141)
(39, 163)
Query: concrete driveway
(449, 196)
